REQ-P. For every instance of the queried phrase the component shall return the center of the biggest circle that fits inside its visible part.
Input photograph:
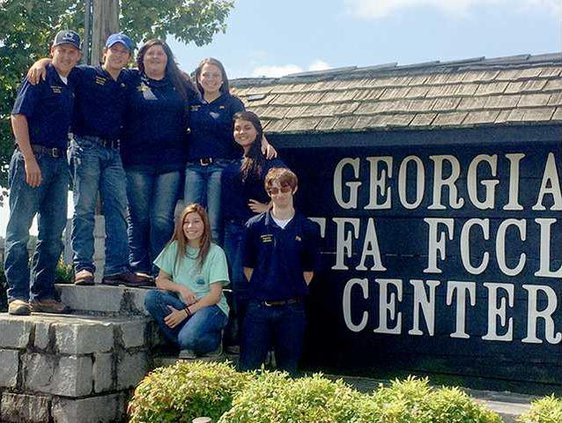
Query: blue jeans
(203, 186)
(201, 333)
(49, 202)
(152, 201)
(280, 327)
(233, 234)
(97, 168)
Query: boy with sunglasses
(280, 254)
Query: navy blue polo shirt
(155, 126)
(211, 129)
(100, 101)
(236, 193)
(280, 256)
(48, 108)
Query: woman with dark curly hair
(154, 150)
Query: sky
(280, 37)
(275, 38)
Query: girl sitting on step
(189, 305)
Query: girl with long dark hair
(243, 196)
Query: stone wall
(76, 368)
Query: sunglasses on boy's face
(275, 190)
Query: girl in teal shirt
(189, 305)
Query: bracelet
(187, 311)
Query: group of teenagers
(142, 139)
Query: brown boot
(128, 279)
(49, 305)
(19, 308)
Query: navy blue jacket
(155, 126)
(211, 129)
(280, 256)
(100, 101)
(48, 107)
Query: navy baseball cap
(67, 37)
(120, 38)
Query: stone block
(42, 336)
(103, 372)
(134, 301)
(68, 376)
(103, 299)
(9, 368)
(38, 371)
(131, 368)
(133, 333)
(83, 337)
(16, 331)
(24, 408)
(73, 377)
(100, 409)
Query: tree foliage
(27, 28)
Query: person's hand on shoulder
(258, 207)
(267, 149)
(38, 71)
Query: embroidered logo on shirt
(100, 80)
(147, 92)
(298, 238)
(266, 238)
(199, 280)
(57, 89)
(195, 108)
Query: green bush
(275, 398)
(400, 402)
(192, 389)
(414, 401)
(451, 405)
(184, 391)
(544, 410)
(64, 272)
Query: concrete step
(104, 300)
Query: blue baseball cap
(67, 37)
(120, 38)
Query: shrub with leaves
(413, 401)
(63, 272)
(275, 398)
(451, 405)
(400, 402)
(544, 410)
(184, 391)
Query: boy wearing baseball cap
(101, 98)
(38, 181)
